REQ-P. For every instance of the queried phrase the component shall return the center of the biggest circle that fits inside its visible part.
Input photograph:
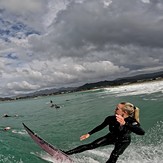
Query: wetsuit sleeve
(135, 127)
(100, 127)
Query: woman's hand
(120, 119)
(84, 136)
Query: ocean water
(79, 113)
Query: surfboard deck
(47, 147)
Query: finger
(82, 137)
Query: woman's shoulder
(131, 120)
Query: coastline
(107, 87)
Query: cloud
(21, 86)
(82, 26)
(18, 6)
(27, 12)
(72, 42)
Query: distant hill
(88, 86)
(47, 92)
(120, 81)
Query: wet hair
(131, 110)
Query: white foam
(9, 159)
(136, 89)
(101, 153)
(22, 132)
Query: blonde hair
(131, 110)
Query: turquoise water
(79, 113)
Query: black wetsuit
(118, 136)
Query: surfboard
(47, 147)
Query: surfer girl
(121, 125)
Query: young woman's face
(118, 109)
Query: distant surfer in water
(121, 125)
(51, 104)
(7, 128)
(6, 115)
(54, 105)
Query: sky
(48, 44)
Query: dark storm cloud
(122, 22)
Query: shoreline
(138, 82)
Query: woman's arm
(100, 127)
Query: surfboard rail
(47, 147)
